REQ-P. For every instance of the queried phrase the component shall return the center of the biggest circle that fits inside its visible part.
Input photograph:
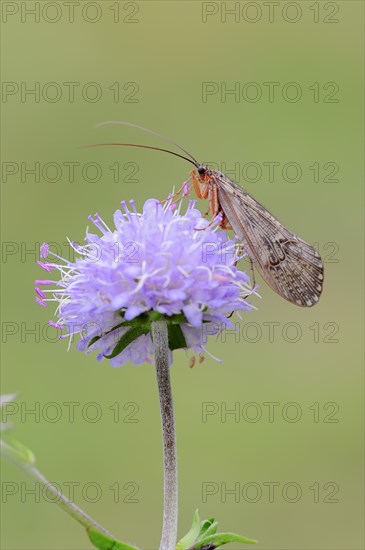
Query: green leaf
(176, 337)
(192, 535)
(103, 542)
(177, 319)
(142, 325)
(209, 529)
(126, 339)
(93, 340)
(122, 324)
(219, 539)
(203, 536)
(205, 526)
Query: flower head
(158, 263)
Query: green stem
(52, 492)
(161, 349)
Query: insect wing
(289, 265)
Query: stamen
(96, 222)
(40, 293)
(136, 215)
(211, 355)
(102, 222)
(44, 250)
(46, 267)
(55, 325)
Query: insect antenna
(196, 164)
(132, 125)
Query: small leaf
(93, 340)
(219, 539)
(103, 542)
(177, 319)
(176, 337)
(210, 529)
(192, 535)
(205, 526)
(122, 324)
(126, 339)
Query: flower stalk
(52, 492)
(161, 350)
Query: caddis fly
(288, 264)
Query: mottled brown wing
(289, 265)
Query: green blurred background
(160, 54)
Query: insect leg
(181, 190)
(212, 196)
(196, 185)
(253, 273)
(225, 223)
(214, 202)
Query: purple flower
(158, 263)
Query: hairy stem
(161, 348)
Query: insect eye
(202, 170)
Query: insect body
(289, 265)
